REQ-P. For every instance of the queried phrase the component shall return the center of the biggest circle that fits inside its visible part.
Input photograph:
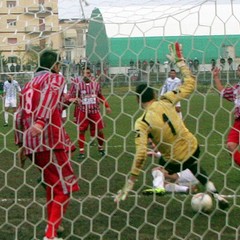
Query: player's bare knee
(159, 168)
(178, 109)
(231, 146)
(156, 172)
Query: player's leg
(76, 113)
(83, 123)
(173, 187)
(14, 108)
(158, 183)
(7, 105)
(97, 118)
(178, 182)
(185, 182)
(202, 177)
(92, 133)
(6, 117)
(56, 208)
(60, 181)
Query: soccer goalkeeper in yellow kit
(160, 121)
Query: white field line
(43, 200)
(133, 146)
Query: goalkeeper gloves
(176, 55)
(122, 194)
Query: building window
(12, 40)
(68, 56)
(11, 22)
(12, 59)
(69, 42)
(11, 4)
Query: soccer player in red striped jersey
(232, 94)
(41, 134)
(89, 96)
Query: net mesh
(124, 44)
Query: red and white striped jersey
(232, 94)
(88, 93)
(41, 101)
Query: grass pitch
(92, 214)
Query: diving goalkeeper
(178, 146)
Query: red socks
(236, 157)
(56, 208)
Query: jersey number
(28, 101)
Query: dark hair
(86, 68)
(47, 60)
(145, 93)
(172, 70)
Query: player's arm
(189, 81)
(19, 127)
(104, 101)
(50, 99)
(141, 140)
(217, 80)
(18, 87)
(72, 93)
(4, 89)
(164, 89)
(18, 134)
(226, 92)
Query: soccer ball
(201, 202)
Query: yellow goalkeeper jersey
(161, 122)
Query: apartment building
(27, 25)
(73, 35)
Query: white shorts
(178, 104)
(186, 177)
(10, 102)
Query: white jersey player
(181, 182)
(170, 84)
(10, 93)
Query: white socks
(158, 179)
(172, 187)
(6, 117)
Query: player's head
(172, 73)
(144, 93)
(87, 74)
(9, 77)
(49, 60)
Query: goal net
(124, 43)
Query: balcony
(33, 29)
(40, 10)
